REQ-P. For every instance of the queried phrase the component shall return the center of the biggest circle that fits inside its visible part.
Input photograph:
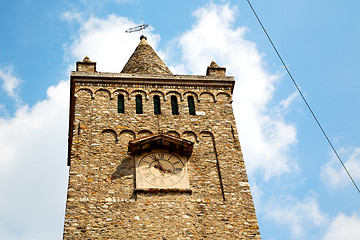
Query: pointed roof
(215, 70)
(144, 60)
(213, 64)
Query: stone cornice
(142, 79)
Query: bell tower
(154, 155)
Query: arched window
(157, 108)
(139, 105)
(191, 105)
(121, 105)
(174, 106)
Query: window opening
(174, 105)
(139, 105)
(191, 104)
(157, 108)
(121, 105)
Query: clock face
(161, 169)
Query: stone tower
(154, 155)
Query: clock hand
(159, 166)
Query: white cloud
(286, 103)
(266, 138)
(333, 173)
(105, 42)
(344, 228)
(72, 16)
(33, 170)
(298, 216)
(10, 82)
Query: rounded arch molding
(173, 133)
(121, 91)
(205, 95)
(86, 90)
(144, 133)
(223, 96)
(190, 135)
(141, 92)
(97, 91)
(157, 92)
(127, 132)
(191, 93)
(110, 132)
(204, 133)
(174, 93)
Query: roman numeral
(153, 180)
(162, 182)
(153, 157)
(176, 162)
(161, 155)
(178, 169)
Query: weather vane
(138, 28)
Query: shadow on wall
(124, 169)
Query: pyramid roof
(144, 60)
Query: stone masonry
(101, 201)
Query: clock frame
(160, 169)
(161, 162)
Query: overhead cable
(302, 96)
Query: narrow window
(139, 107)
(121, 106)
(191, 105)
(174, 105)
(157, 109)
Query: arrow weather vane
(137, 28)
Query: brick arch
(86, 90)
(102, 90)
(223, 96)
(190, 135)
(177, 94)
(191, 93)
(124, 137)
(202, 133)
(144, 133)
(108, 133)
(173, 133)
(121, 91)
(157, 92)
(129, 132)
(141, 92)
(207, 95)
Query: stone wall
(101, 200)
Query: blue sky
(299, 188)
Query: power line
(302, 96)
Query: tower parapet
(86, 65)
